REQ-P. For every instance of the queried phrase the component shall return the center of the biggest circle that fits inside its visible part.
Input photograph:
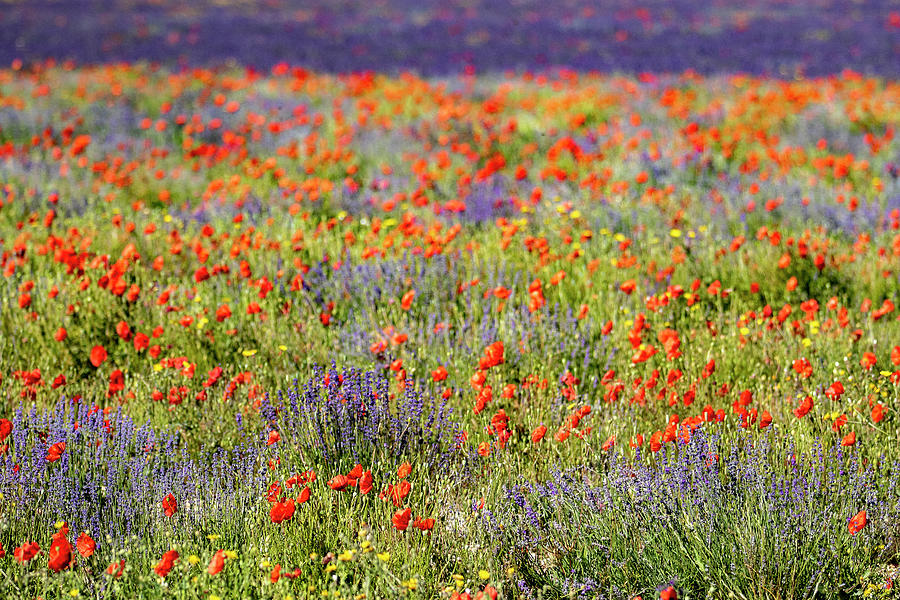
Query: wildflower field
(308, 313)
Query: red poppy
(765, 420)
(803, 368)
(838, 423)
(835, 390)
(538, 434)
(166, 563)
(60, 554)
(274, 437)
(868, 360)
(365, 483)
(123, 330)
(86, 545)
(849, 439)
(439, 374)
(274, 492)
(26, 551)
(401, 519)
(222, 313)
(217, 563)
(116, 569)
(5, 428)
(339, 482)
(406, 301)
(404, 470)
(484, 449)
(857, 523)
(400, 491)
(304, 496)
(282, 511)
(169, 505)
(98, 355)
(804, 408)
(670, 593)
(54, 453)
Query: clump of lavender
(762, 519)
(352, 417)
(112, 475)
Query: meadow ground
(285, 333)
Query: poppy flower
(339, 482)
(98, 355)
(439, 374)
(54, 453)
(274, 492)
(86, 545)
(857, 522)
(169, 505)
(538, 434)
(404, 470)
(282, 511)
(868, 360)
(5, 428)
(166, 563)
(669, 593)
(26, 551)
(406, 301)
(60, 554)
(304, 495)
(849, 439)
(274, 437)
(803, 368)
(401, 518)
(804, 408)
(400, 491)
(217, 563)
(123, 330)
(116, 569)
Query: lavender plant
(762, 520)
